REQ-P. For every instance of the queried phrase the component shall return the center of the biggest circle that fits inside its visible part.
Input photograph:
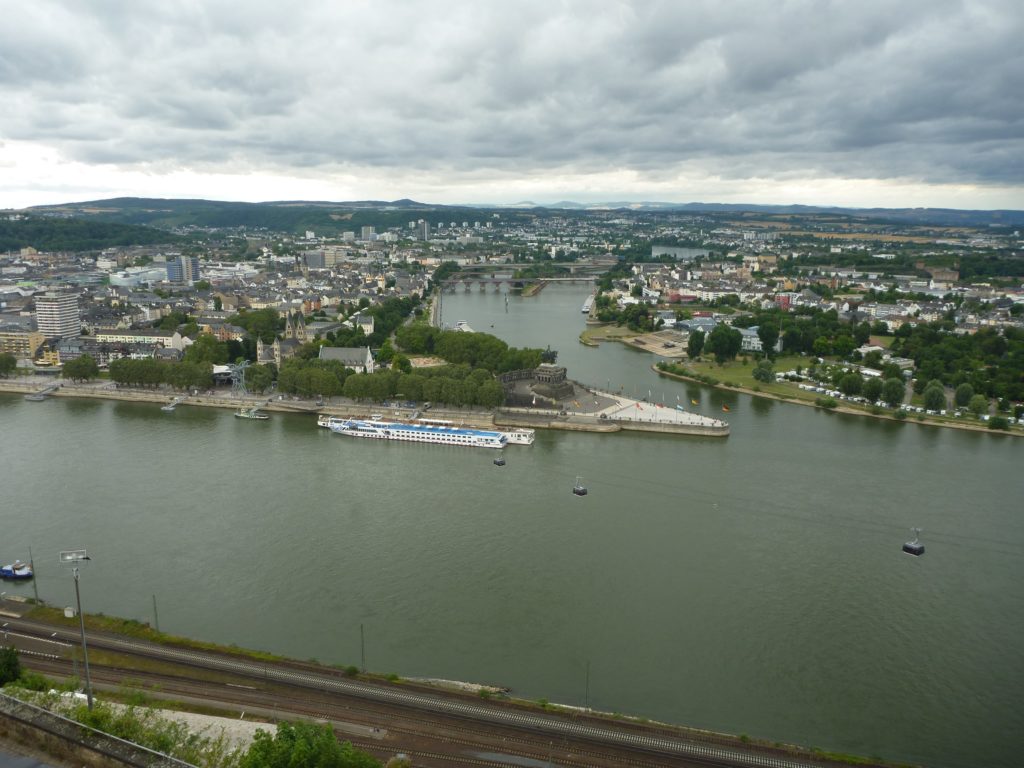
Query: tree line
(478, 350)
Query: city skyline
(454, 103)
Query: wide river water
(753, 584)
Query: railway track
(416, 713)
(396, 728)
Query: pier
(175, 403)
(43, 393)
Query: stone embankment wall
(535, 418)
(539, 419)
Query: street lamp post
(75, 558)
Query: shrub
(34, 681)
(825, 402)
(10, 665)
(998, 422)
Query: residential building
(20, 343)
(183, 269)
(751, 342)
(57, 315)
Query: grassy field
(609, 332)
(738, 374)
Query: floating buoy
(500, 461)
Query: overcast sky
(853, 102)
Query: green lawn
(741, 375)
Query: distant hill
(935, 216)
(331, 218)
(45, 233)
(295, 216)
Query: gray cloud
(927, 90)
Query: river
(753, 584)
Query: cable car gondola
(914, 547)
(579, 489)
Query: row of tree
(457, 385)
(311, 377)
(452, 385)
(150, 372)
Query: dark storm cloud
(923, 90)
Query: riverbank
(839, 407)
(614, 420)
(128, 645)
(105, 390)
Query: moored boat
(16, 570)
(520, 436)
(251, 413)
(417, 432)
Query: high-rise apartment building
(183, 269)
(57, 315)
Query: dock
(43, 393)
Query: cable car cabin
(500, 461)
(579, 489)
(914, 547)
